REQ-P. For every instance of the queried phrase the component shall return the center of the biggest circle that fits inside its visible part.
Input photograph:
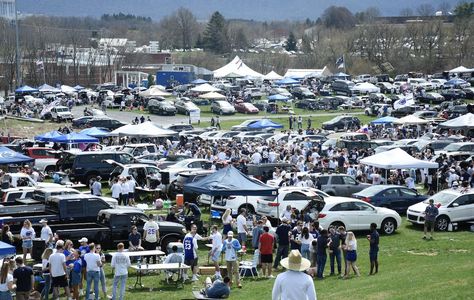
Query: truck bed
(20, 210)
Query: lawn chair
(250, 267)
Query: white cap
(83, 240)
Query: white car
(437, 83)
(365, 88)
(453, 206)
(192, 164)
(356, 214)
(297, 197)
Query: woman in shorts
(27, 235)
(351, 254)
(76, 269)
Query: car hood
(418, 206)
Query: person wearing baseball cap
(83, 250)
(294, 283)
(46, 234)
(230, 247)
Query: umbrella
(25, 89)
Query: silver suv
(340, 184)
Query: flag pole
(344, 62)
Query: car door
(345, 212)
(409, 197)
(337, 184)
(366, 214)
(462, 208)
(389, 198)
(351, 186)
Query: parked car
(430, 98)
(386, 87)
(365, 88)
(185, 106)
(139, 149)
(469, 93)
(222, 108)
(161, 107)
(461, 146)
(302, 93)
(342, 87)
(140, 172)
(81, 121)
(179, 127)
(453, 206)
(340, 184)
(245, 107)
(192, 164)
(395, 197)
(107, 123)
(183, 178)
(456, 83)
(311, 104)
(405, 111)
(453, 94)
(341, 123)
(281, 91)
(356, 214)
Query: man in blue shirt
(323, 241)
(217, 289)
(374, 248)
(194, 209)
(431, 212)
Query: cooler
(179, 200)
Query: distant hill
(262, 10)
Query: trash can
(38, 249)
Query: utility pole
(17, 54)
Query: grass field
(410, 268)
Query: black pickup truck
(114, 225)
(63, 209)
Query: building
(7, 9)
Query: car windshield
(371, 190)
(181, 164)
(128, 149)
(452, 147)
(442, 198)
(62, 109)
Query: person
(373, 238)
(216, 249)
(294, 283)
(96, 187)
(305, 239)
(230, 246)
(171, 216)
(343, 235)
(242, 227)
(176, 258)
(334, 250)
(93, 264)
(218, 122)
(287, 213)
(351, 256)
(265, 246)
(135, 240)
(283, 237)
(213, 122)
(227, 221)
(46, 234)
(190, 251)
(123, 191)
(75, 266)
(151, 236)
(256, 232)
(103, 286)
(24, 279)
(27, 235)
(131, 190)
(322, 244)
(217, 289)
(120, 263)
(7, 235)
(6, 282)
(45, 272)
(193, 209)
(431, 212)
(57, 269)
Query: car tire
(389, 226)
(442, 223)
(336, 128)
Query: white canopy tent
(66, 89)
(307, 73)
(461, 69)
(462, 122)
(410, 120)
(236, 66)
(204, 88)
(272, 76)
(155, 91)
(212, 95)
(146, 129)
(396, 159)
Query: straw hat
(295, 262)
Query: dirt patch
(412, 252)
(458, 250)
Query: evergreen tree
(215, 36)
(151, 80)
(291, 43)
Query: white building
(7, 9)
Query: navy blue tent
(75, 138)
(48, 136)
(6, 250)
(230, 181)
(264, 123)
(25, 89)
(8, 156)
(95, 132)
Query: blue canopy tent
(278, 97)
(79, 87)
(287, 80)
(25, 89)
(8, 156)
(6, 250)
(48, 136)
(384, 120)
(264, 123)
(95, 132)
(199, 81)
(74, 138)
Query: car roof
(97, 152)
(333, 200)
(73, 196)
(139, 145)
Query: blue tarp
(287, 80)
(6, 250)
(8, 156)
(25, 89)
(230, 181)
(95, 132)
(264, 123)
(75, 138)
(199, 81)
(278, 97)
(48, 136)
(384, 120)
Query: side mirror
(455, 204)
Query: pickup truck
(45, 158)
(114, 225)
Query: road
(128, 116)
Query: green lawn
(410, 268)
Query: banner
(405, 100)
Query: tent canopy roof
(230, 181)
(411, 120)
(8, 156)
(25, 89)
(384, 120)
(74, 137)
(154, 91)
(204, 88)
(48, 136)
(464, 121)
(396, 159)
(236, 66)
(287, 80)
(6, 250)
(47, 88)
(212, 95)
(265, 123)
(95, 132)
(461, 69)
(146, 129)
(272, 76)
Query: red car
(245, 108)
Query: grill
(413, 218)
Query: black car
(469, 92)
(404, 111)
(84, 166)
(180, 127)
(107, 123)
(177, 185)
(161, 107)
(341, 122)
(453, 94)
(311, 104)
(430, 98)
(302, 93)
(456, 111)
(81, 121)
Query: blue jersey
(188, 244)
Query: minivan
(342, 87)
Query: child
(76, 269)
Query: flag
(39, 65)
(340, 63)
(405, 100)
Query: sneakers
(185, 277)
(271, 277)
(194, 278)
(424, 237)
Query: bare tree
(406, 12)
(425, 9)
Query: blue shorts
(75, 278)
(216, 255)
(28, 244)
(131, 195)
(351, 255)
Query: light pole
(17, 54)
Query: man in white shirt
(151, 236)
(116, 190)
(120, 263)
(93, 264)
(215, 252)
(256, 158)
(286, 213)
(242, 227)
(57, 269)
(46, 233)
(294, 283)
(124, 192)
(131, 190)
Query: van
(342, 87)
(84, 166)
